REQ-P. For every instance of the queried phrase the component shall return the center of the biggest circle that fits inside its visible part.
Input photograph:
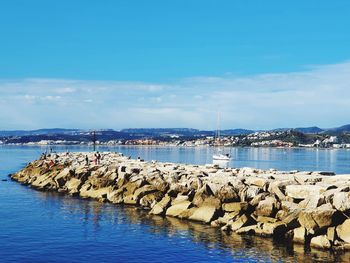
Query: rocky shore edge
(311, 208)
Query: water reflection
(222, 163)
(337, 160)
(100, 215)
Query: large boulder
(315, 219)
(304, 191)
(256, 200)
(45, 182)
(160, 207)
(63, 177)
(225, 219)
(267, 207)
(341, 201)
(235, 207)
(271, 229)
(242, 221)
(324, 215)
(142, 191)
(343, 231)
(227, 194)
(177, 209)
(73, 185)
(289, 207)
(257, 181)
(149, 200)
(312, 202)
(320, 242)
(278, 188)
(299, 235)
(204, 214)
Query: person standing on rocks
(98, 157)
(52, 163)
(86, 160)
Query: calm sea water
(48, 227)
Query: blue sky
(118, 64)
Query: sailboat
(220, 155)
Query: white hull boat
(221, 157)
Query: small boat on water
(219, 155)
(222, 157)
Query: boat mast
(218, 131)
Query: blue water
(49, 227)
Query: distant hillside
(313, 129)
(236, 132)
(161, 131)
(158, 130)
(344, 128)
(38, 132)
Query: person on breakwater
(51, 164)
(98, 157)
(86, 160)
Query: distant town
(312, 137)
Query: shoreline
(303, 207)
(175, 146)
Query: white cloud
(317, 96)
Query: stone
(100, 193)
(129, 200)
(251, 192)
(291, 220)
(248, 230)
(341, 201)
(177, 209)
(212, 202)
(149, 200)
(281, 214)
(226, 218)
(256, 200)
(304, 191)
(272, 229)
(142, 191)
(235, 206)
(299, 235)
(314, 219)
(267, 207)
(63, 177)
(265, 219)
(227, 194)
(73, 185)
(331, 234)
(204, 214)
(160, 207)
(44, 182)
(320, 242)
(257, 181)
(160, 185)
(187, 213)
(242, 221)
(324, 215)
(277, 188)
(343, 231)
(180, 198)
(312, 202)
(289, 207)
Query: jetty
(311, 208)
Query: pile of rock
(307, 207)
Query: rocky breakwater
(312, 208)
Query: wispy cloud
(317, 96)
